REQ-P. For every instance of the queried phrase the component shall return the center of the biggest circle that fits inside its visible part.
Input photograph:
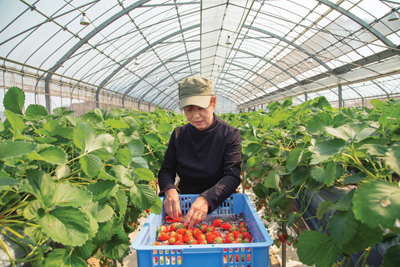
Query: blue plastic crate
(254, 254)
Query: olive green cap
(195, 90)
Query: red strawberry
(156, 243)
(237, 258)
(210, 239)
(193, 242)
(162, 228)
(179, 243)
(234, 228)
(243, 229)
(174, 227)
(218, 240)
(246, 240)
(217, 223)
(203, 228)
(217, 233)
(238, 240)
(247, 235)
(201, 237)
(179, 237)
(186, 238)
(172, 233)
(237, 234)
(281, 237)
(163, 236)
(172, 240)
(242, 224)
(226, 226)
(181, 231)
(229, 239)
(211, 229)
(203, 242)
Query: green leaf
(103, 190)
(260, 191)
(115, 124)
(16, 122)
(143, 196)
(377, 203)
(354, 178)
(156, 208)
(84, 135)
(294, 158)
(254, 161)
(65, 258)
(300, 175)
(318, 123)
(330, 173)
(317, 249)
(342, 227)
(93, 225)
(392, 159)
(14, 100)
(31, 209)
(136, 147)
(124, 156)
(139, 162)
(364, 237)
(42, 185)
(252, 149)
(103, 146)
(118, 246)
(91, 164)
(122, 175)
(322, 208)
(392, 256)
(291, 218)
(101, 212)
(13, 149)
(351, 131)
(5, 179)
(165, 128)
(151, 139)
(70, 195)
(272, 180)
(378, 104)
(325, 150)
(63, 171)
(106, 176)
(106, 231)
(36, 112)
(62, 111)
(345, 202)
(375, 149)
(318, 174)
(84, 251)
(45, 140)
(276, 198)
(122, 201)
(66, 225)
(143, 174)
(53, 155)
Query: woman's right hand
(171, 203)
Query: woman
(206, 154)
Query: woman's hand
(171, 204)
(197, 212)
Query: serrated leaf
(294, 158)
(65, 258)
(252, 149)
(14, 100)
(377, 203)
(31, 209)
(13, 149)
(330, 173)
(53, 155)
(106, 231)
(143, 174)
(342, 227)
(122, 175)
(103, 190)
(42, 185)
(136, 147)
(66, 225)
(325, 150)
(122, 201)
(84, 134)
(345, 202)
(378, 104)
(101, 212)
(45, 140)
(364, 237)
(93, 224)
(322, 208)
(392, 256)
(143, 196)
(70, 195)
(272, 180)
(165, 128)
(156, 208)
(317, 249)
(300, 175)
(5, 179)
(118, 246)
(318, 123)
(318, 174)
(115, 124)
(139, 162)
(84, 251)
(151, 139)
(354, 178)
(36, 112)
(124, 156)
(63, 171)
(374, 149)
(253, 161)
(393, 159)
(91, 164)
(105, 176)
(103, 146)
(351, 131)
(16, 122)
(62, 111)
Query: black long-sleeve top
(207, 162)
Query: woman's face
(199, 117)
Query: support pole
(340, 98)
(305, 97)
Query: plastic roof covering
(279, 48)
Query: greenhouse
(92, 105)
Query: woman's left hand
(197, 212)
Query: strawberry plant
(74, 187)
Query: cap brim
(201, 101)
